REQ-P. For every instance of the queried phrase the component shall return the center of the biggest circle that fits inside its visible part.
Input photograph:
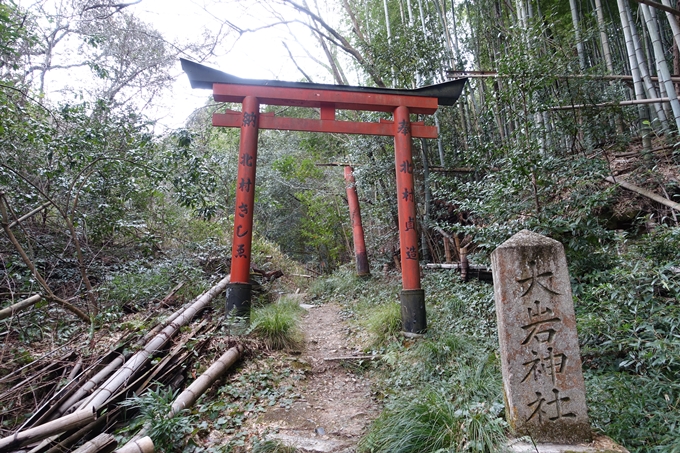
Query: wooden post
(412, 296)
(357, 227)
(239, 290)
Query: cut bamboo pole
(143, 445)
(104, 442)
(197, 388)
(644, 192)
(30, 214)
(609, 104)
(86, 388)
(189, 396)
(80, 418)
(115, 382)
(494, 74)
(12, 309)
(57, 445)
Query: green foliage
(383, 321)
(629, 316)
(292, 167)
(169, 434)
(434, 422)
(277, 325)
(273, 446)
(642, 412)
(141, 282)
(344, 284)
(195, 171)
(260, 384)
(322, 226)
(16, 36)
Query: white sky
(258, 55)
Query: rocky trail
(335, 406)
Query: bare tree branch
(343, 42)
(309, 79)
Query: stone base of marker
(600, 444)
(238, 301)
(413, 318)
(540, 357)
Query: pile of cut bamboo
(87, 405)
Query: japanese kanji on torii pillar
(328, 99)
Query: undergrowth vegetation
(444, 393)
(277, 324)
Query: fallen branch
(607, 104)
(660, 6)
(268, 276)
(57, 426)
(474, 267)
(12, 309)
(50, 295)
(353, 357)
(172, 292)
(644, 192)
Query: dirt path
(336, 405)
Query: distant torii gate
(328, 98)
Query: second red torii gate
(328, 98)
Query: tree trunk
(643, 113)
(604, 40)
(664, 73)
(576, 20)
(645, 73)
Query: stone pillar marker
(540, 358)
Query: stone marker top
(540, 357)
(527, 238)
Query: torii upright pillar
(239, 288)
(357, 226)
(327, 99)
(412, 296)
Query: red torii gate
(328, 98)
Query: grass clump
(273, 446)
(277, 324)
(383, 322)
(435, 423)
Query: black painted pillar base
(413, 318)
(238, 301)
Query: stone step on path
(336, 404)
